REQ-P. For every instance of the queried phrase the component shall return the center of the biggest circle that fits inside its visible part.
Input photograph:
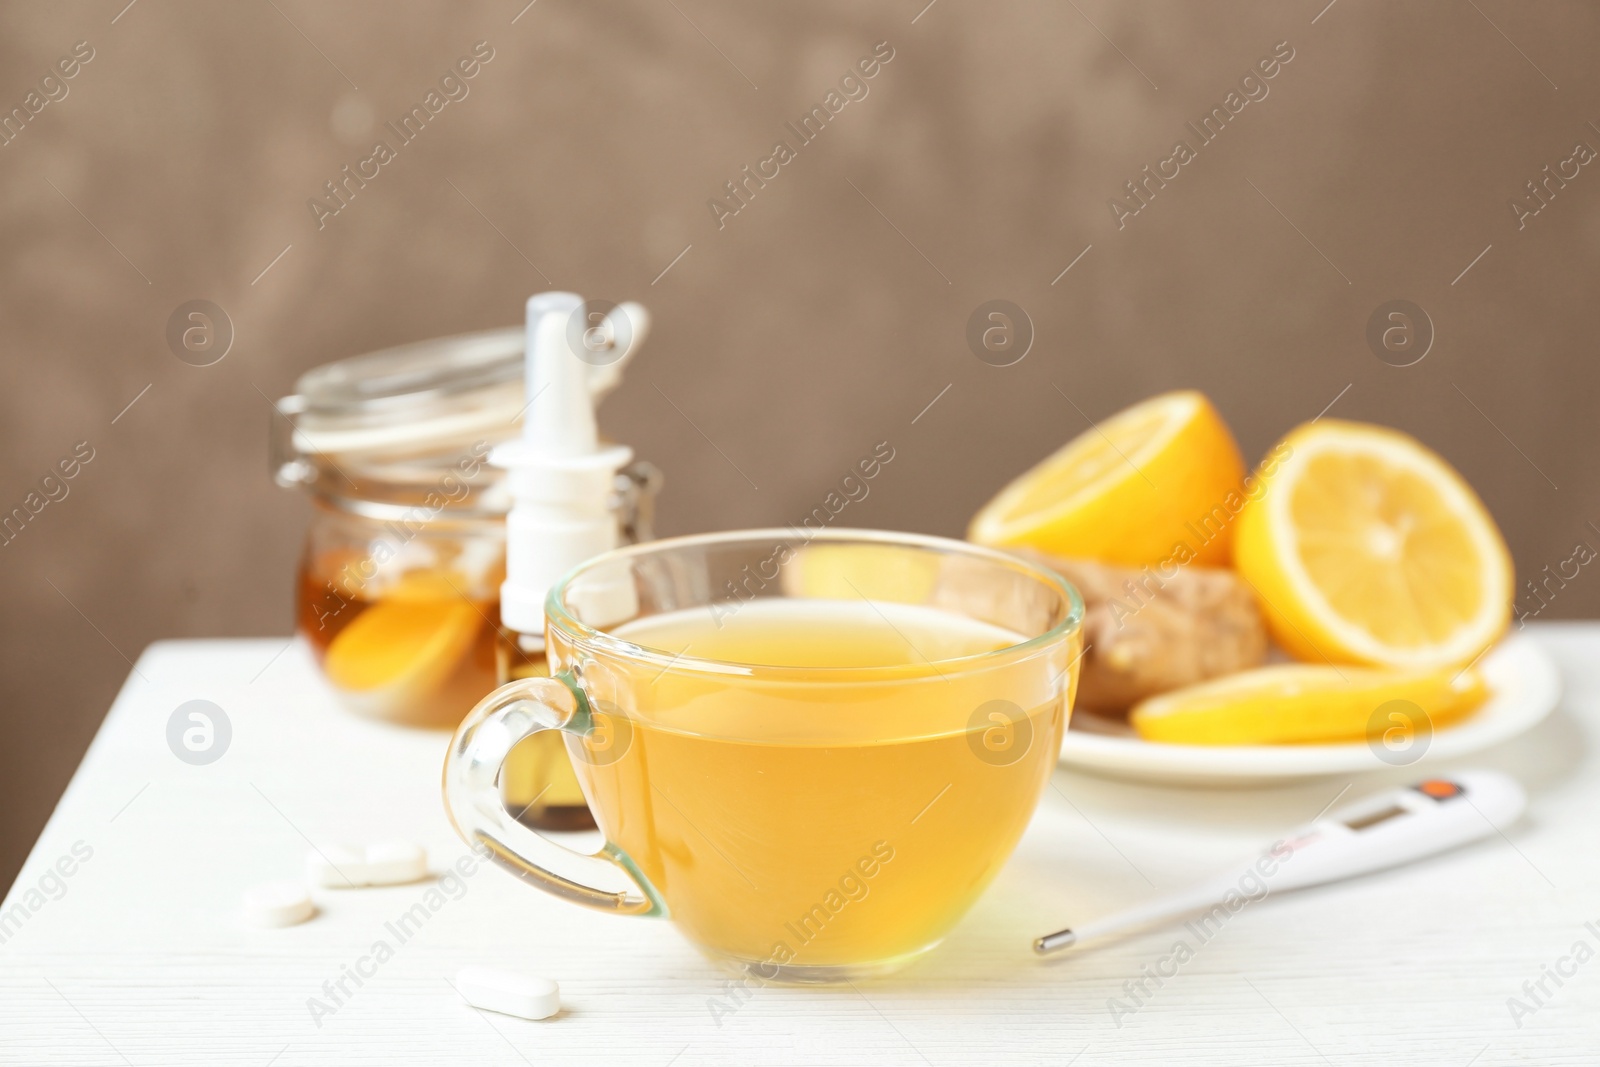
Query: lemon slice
(1303, 703)
(398, 651)
(1366, 547)
(1160, 481)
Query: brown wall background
(820, 320)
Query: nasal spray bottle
(573, 497)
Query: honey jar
(398, 587)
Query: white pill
(277, 904)
(508, 992)
(335, 866)
(383, 863)
(394, 862)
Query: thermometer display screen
(1376, 817)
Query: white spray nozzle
(559, 419)
(562, 479)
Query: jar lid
(404, 407)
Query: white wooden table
(138, 956)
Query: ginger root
(1145, 633)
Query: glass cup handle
(472, 799)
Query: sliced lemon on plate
(1160, 481)
(1367, 547)
(399, 651)
(1302, 703)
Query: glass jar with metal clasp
(397, 591)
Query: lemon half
(1159, 481)
(1367, 547)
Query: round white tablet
(354, 866)
(394, 863)
(336, 866)
(277, 904)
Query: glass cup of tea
(812, 750)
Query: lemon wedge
(1303, 703)
(1366, 547)
(1159, 481)
(398, 652)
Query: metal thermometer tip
(1054, 942)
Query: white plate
(1521, 676)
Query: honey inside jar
(418, 648)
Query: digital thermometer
(1384, 830)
